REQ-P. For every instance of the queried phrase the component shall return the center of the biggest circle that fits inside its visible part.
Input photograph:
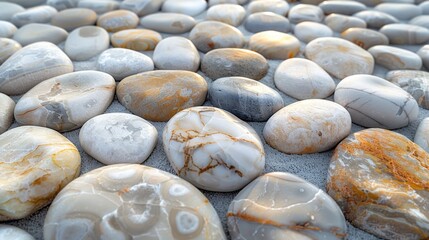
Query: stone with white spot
(176, 53)
(86, 42)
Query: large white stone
(176, 53)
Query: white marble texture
(12, 232)
(176, 53)
(7, 105)
(168, 22)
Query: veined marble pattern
(415, 83)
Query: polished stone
(401, 33)
(305, 12)
(86, 42)
(275, 6)
(274, 45)
(402, 11)
(423, 53)
(340, 23)
(188, 7)
(38, 32)
(40, 14)
(422, 134)
(415, 83)
(176, 53)
(100, 7)
(376, 19)
(7, 105)
(12, 232)
(136, 39)
(365, 38)
(342, 7)
(8, 9)
(394, 58)
(231, 14)
(118, 20)
(62, 4)
(265, 21)
(308, 31)
(70, 19)
(7, 29)
(142, 7)
(7, 48)
(173, 23)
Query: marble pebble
(174, 23)
(305, 12)
(130, 201)
(213, 149)
(365, 38)
(27, 3)
(66, 102)
(215, 2)
(39, 32)
(422, 134)
(7, 29)
(308, 31)
(375, 102)
(71, 19)
(274, 45)
(99, 6)
(35, 166)
(376, 19)
(7, 48)
(415, 83)
(40, 14)
(342, 7)
(62, 4)
(142, 7)
(340, 23)
(176, 53)
(7, 105)
(188, 7)
(12, 232)
(401, 11)
(114, 138)
(423, 53)
(265, 21)
(86, 42)
(394, 58)
(231, 14)
(118, 20)
(279, 7)
(401, 33)
(422, 21)
(136, 39)
(8, 9)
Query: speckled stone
(305, 12)
(62, 4)
(66, 102)
(379, 179)
(303, 79)
(100, 7)
(424, 55)
(275, 6)
(142, 7)
(394, 58)
(375, 102)
(37, 32)
(86, 42)
(209, 35)
(340, 23)
(12, 232)
(265, 21)
(158, 95)
(118, 20)
(246, 98)
(308, 31)
(7, 29)
(228, 62)
(307, 126)
(174, 23)
(342, 7)
(176, 53)
(7, 105)
(213, 149)
(32, 65)
(136, 39)
(8, 9)
(415, 83)
(130, 201)
(7, 48)
(35, 166)
(365, 38)
(71, 19)
(402, 11)
(188, 7)
(422, 21)
(280, 206)
(401, 33)
(376, 19)
(40, 14)
(275, 45)
(121, 63)
(114, 138)
(422, 134)
(339, 57)
(231, 14)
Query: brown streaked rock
(275, 45)
(136, 39)
(365, 38)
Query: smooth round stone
(376, 19)
(118, 138)
(7, 48)
(303, 79)
(176, 53)
(142, 7)
(32, 65)
(136, 39)
(425, 7)
(27, 3)
(209, 35)
(246, 98)
(308, 31)
(231, 14)
(265, 21)
(378, 178)
(375, 102)
(342, 7)
(215, 2)
(401, 11)
(7, 29)
(35, 166)
(339, 57)
(86, 42)
(305, 12)
(422, 21)
(158, 95)
(37, 32)
(275, 205)
(340, 23)
(275, 45)
(188, 7)
(40, 14)
(394, 58)
(121, 63)
(415, 83)
(7, 106)
(174, 23)
(308, 126)
(401, 33)
(66, 102)
(228, 62)
(365, 38)
(275, 6)
(422, 134)
(12, 232)
(62, 4)
(7, 10)
(71, 19)
(424, 55)
(99, 6)
(131, 201)
(118, 20)
(213, 149)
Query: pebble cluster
(216, 119)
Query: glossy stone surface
(365, 38)
(213, 149)
(142, 7)
(379, 180)
(422, 134)
(7, 105)
(70, 19)
(37, 32)
(280, 206)
(274, 45)
(7, 29)
(308, 31)
(176, 53)
(188, 7)
(35, 166)
(7, 48)
(376, 19)
(168, 22)
(40, 14)
(118, 20)
(265, 21)
(118, 138)
(66, 102)
(100, 7)
(402, 11)
(231, 14)
(62, 4)
(131, 201)
(415, 83)
(424, 55)
(275, 6)
(401, 33)
(136, 39)
(342, 7)
(305, 12)
(394, 58)
(8, 9)
(422, 21)
(340, 23)
(12, 232)
(86, 42)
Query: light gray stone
(7, 10)
(308, 31)
(62, 4)
(12, 232)
(376, 19)
(305, 12)
(7, 105)
(118, 20)
(275, 6)
(424, 55)
(415, 83)
(422, 21)
(86, 42)
(40, 14)
(422, 134)
(425, 7)
(71, 19)
(231, 14)
(401, 33)
(99, 6)
(394, 58)
(27, 3)
(7, 48)
(265, 21)
(365, 38)
(188, 7)
(342, 7)
(401, 11)
(142, 7)
(168, 22)
(176, 53)
(340, 23)
(7, 29)
(38, 32)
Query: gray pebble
(305, 12)
(62, 4)
(264, 21)
(40, 14)
(70, 19)
(168, 22)
(99, 6)
(308, 31)
(376, 19)
(86, 42)
(142, 7)
(276, 6)
(365, 38)
(422, 21)
(7, 10)
(176, 53)
(401, 11)
(7, 29)
(415, 83)
(394, 58)
(37, 32)
(340, 23)
(7, 48)
(341, 7)
(401, 33)
(424, 55)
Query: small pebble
(401, 11)
(275, 6)
(425, 7)
(142, 7)
(8, 9)
(305, 12)
(7, 29)
(340, 23)
(424, 55)
(136, 39)
(265, 21)
(275, 45)
(365, 38)
(376, 19)
(86, 42)
(415, 83)
(227, 13)
(99, 6)
(401, 33)
(422, 134)
(27, 3)
(422, 21)
(342, 7)
(12, 232)
(394, 58)
(38, 32)
(174, 23)
(118, 20)
(41, 14)
(308, 31)
(176, 53)
(62, 4)
(7, 105)
(7, 48)
(71, 19)
(188, 7)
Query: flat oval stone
(40, 14)
(401, 33)
(275, 205)
(142, 7)
(308, 31)
(32, 65)
(37, 32)
(339, 57)
(365, 38)
(7, 105)
(422, 21)
(7, 29)
(158, 95)
(136, 39)
(86, 42)
(8, 9)
(231, 14)
(394, 58)
(71, 19)
(26, 3)
(118, 138)
(118, 20)
(305, 12)
(425, 7)
(213, 149)
(188, 7)
(35, 166)
(376, 19)
(209, 35)
(246, 98)
(121, 63)
(275, 6)
(215, 2)
(308, 126)
(62, 4)
(342, 7)
(66, 102)
(176, 53)
(265, 21)
(7, 48)
(303, 79)
(402, 11)
(424, 55)
(340, 23)
(379, 178)
(422, 134)
(100, 7)
(415, 83)
(375, 102)
(275, 45)
(168, 22)
(131, 201)
(12, 232)
(228, 62)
